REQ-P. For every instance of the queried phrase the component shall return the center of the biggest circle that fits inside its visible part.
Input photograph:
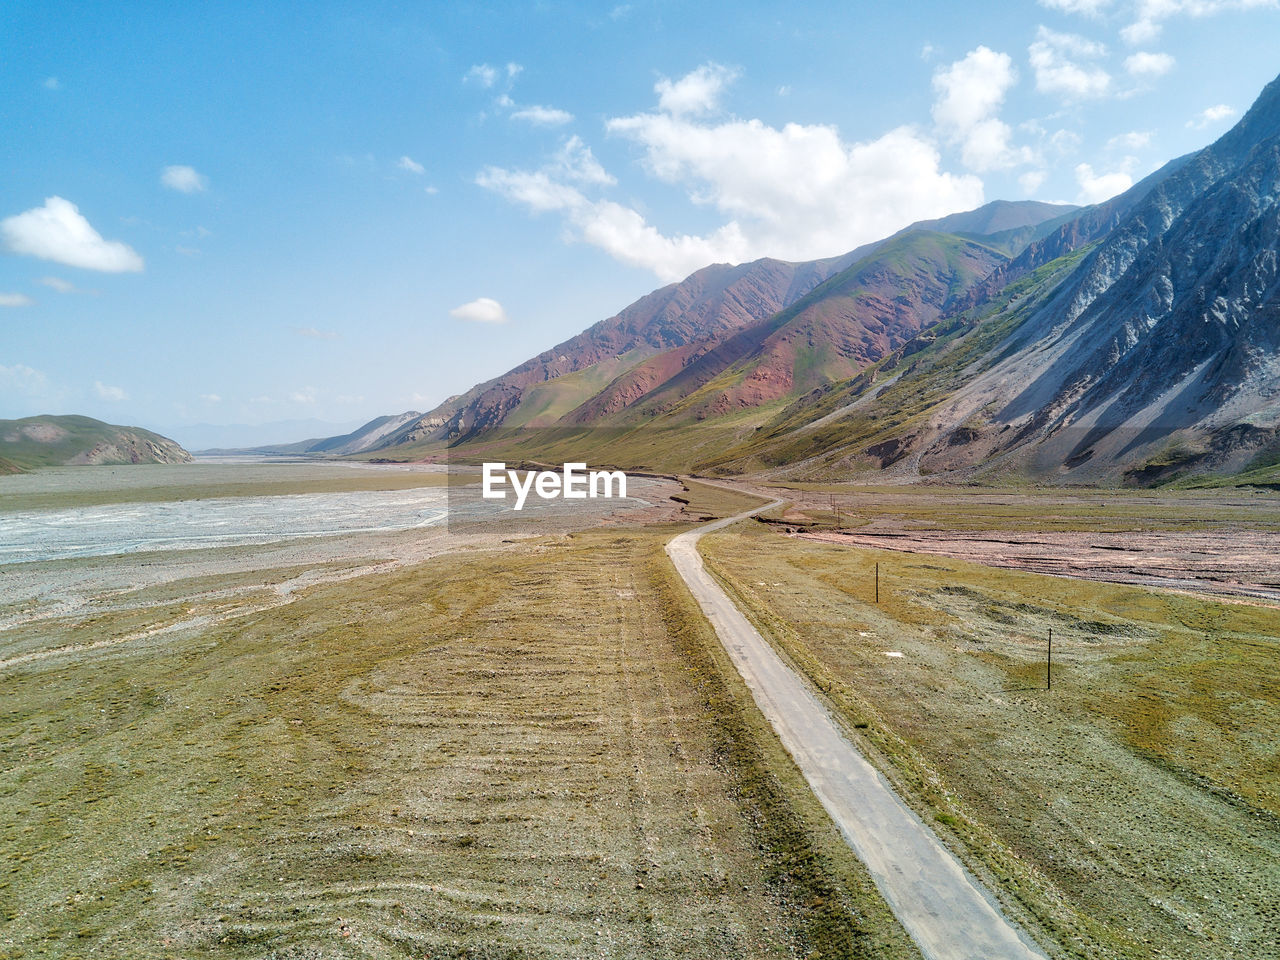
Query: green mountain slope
(47, 441)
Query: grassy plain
(1133, 811)
(538, 751)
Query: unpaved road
(944, 909)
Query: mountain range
(1131, 341)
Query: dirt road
(942, 907)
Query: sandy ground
(1227, 563)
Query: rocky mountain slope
(47, 441)
(1150, 352)
(725, 321)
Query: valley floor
(420, 743)
(402, 747)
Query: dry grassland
(1133, 811)
(532, 752)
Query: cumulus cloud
(970, 94)
(1032, 180)
(481, 73)
(796, 192)
(105, 392)
(697, 92)
(1057, 59)
(1211, 115)
(1145, 64)
(184, 179)
(210, 398)
(1133, 140)
(480, 310)
(1097, 187)
(1150, 14)
(15, 300)
(305, 395)
(58, 232)
(410, 165)
(543, 116)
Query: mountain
(48, 441)
(1133, 341)
(367, 436)
(1146, 351)
(203, 437)
(671, 348)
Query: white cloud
(576, 162)
(482, 74)
(1032, 180)
(184, 179)
(1150, 14)
(543, 116)
(1140, 32)
(1096, 187)
(57, 283)
(410, 165)
(21, 379)
(1145, 64)
(970, 93)
(1065, 142)
(1055, 58)
(187, 251)
(1133, 140)
(480, 310)
(52, 83)
(315, 334)
(1086, 8)
(513, 69)
(105, 392)
(210, 398)
(796, 192)
(305, 395)
(59, 233)
(433, 190)
(15, 300)
(1211, 115)
(695, 93)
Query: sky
(255, 213)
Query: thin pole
(877, 582)
(1048, 674)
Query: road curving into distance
(940, 904)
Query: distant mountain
(47, 441)
(201, 437)
(368, 436)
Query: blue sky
(249, 213)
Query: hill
(47, 441)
